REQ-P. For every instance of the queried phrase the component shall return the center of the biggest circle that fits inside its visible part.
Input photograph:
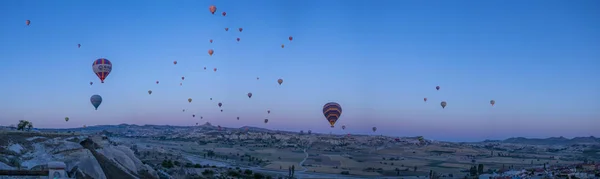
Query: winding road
(301, 164)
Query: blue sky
(538, 59)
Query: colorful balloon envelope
(332, 112)
(102, 68)
(212, 9)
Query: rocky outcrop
(116, 162)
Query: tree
(430, 173)
(293, 170)
(480, 169)
(24, 125)
(473, 171)
(415, 168)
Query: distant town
(208, 151)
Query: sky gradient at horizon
(540, 61)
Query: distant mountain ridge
(516, 140)
(550, 141)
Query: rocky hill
(553, 141)
(93, 157)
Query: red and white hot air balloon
(212, 9)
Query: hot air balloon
(266, 120)
(27, 22)
(156, 82)
(238, 39)
(215, 69)
(190, 100)
(193, 115)
(183, 110)
(102, 67)
(149, 91)
(220, 104)
(268, 111)
(282, 45)
(219, 127)
(240, 29)
(437, 87)
(201, 117)
(180, 84)
(309, 132)
(224, 14)
(78, 45)
(280, 81)
(492, 102)
(443, 104)
(91, 83)
(238, 118)
(210, 40)
(204, 68)
(221, 110)
(332, 112)
(67, 119)
(344, 127)
(182, 78)
(374, 129)
(249, 95)
(210, 52)
(96, 100)
(257, 78)
(84, 126)
(290, 38)
(175, 62)
(196, 123)
(425, 99)
(226, 28)
(212, 9)
(211, 99)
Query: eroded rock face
(118, 161)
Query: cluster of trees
(24, 125)
(170, 163)
(251, 159)
(476, 170)
(292, 170)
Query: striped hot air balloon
(102, 67)
(332, 112)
